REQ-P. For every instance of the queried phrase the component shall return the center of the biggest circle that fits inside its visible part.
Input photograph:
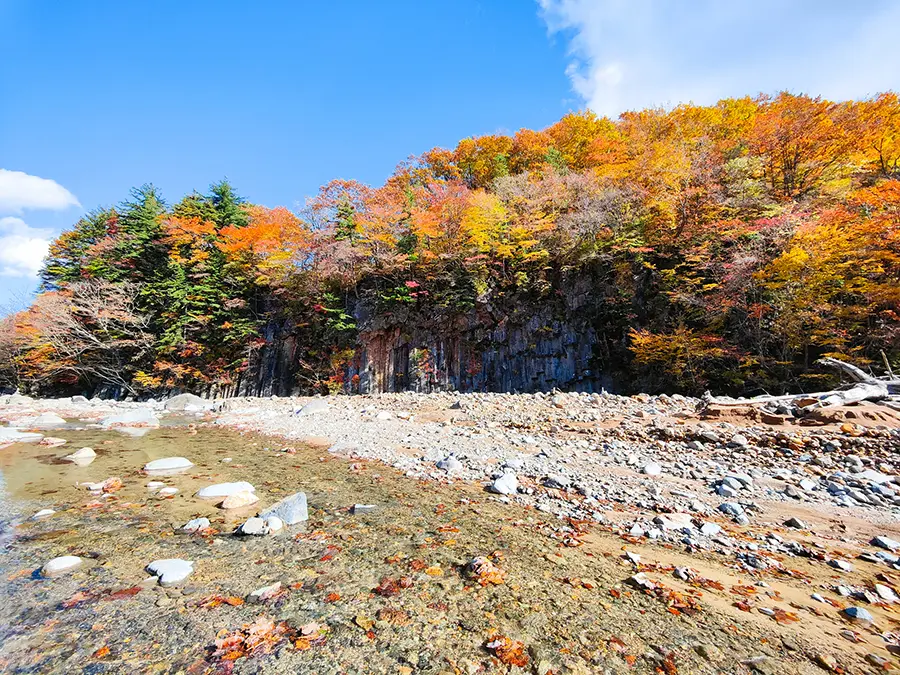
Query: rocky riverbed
(440, 533)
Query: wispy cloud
(20, 191)
(22, 248)
(631, 54)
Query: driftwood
(865, 388)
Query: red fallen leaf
(616, 645)
(615, 593)
(100, 653)
(212, 601)
(80, 598)
(332, 597)
(123, 593)
(510, 652)
(418, 565)
(743, 606)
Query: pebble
(167, 491)
(61, 565)
(363, 508)
(796, 523)
(731, 508)
(886, 542)
(43, 513)
(274, 523)
(264, 593)
(450, 464)
(82, 457)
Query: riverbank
(766, 527)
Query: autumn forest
(722, 247)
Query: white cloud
(22, 248)
(632, 54)
(20, 191)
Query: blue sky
(281, 97)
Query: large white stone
(291, 509)
(11, 435)
(239, 500)
(139, 417)
(82, 457)
(507, 484)
(171, 570)
(220, 490)
(61, 565)
(167, 466)
(186, 403)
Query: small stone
(652, 469)
(878, 661)
(43, 513)
(52, 442)
(450, 464)
(709, 652)
(196, 524)
(842, 565)
(886, 542)
(507, 484)
(827, 662)
(731, 508)
(81, 457)
(886, 593)
(264, 593)
(858, 614)
(170, 571)
(796, 523)
(239, 500)
(274, 523)
(710, 529)
(167, 491)
(363, 508)
(61, 565)
(253, 526)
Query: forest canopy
(726, 246)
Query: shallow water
(381, 592)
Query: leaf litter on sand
(510, 652)
(261, 637)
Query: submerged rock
(196, 524)
(61, 565)
(12, 435)
(220, 490)
(82, 457)
(171, 570)
(291, 509)
(167, 465)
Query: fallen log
(866, 388)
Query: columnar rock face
(526, 346)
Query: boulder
(186, 403)
(507, 484)
(139, 417)
(82, 457)
(10, 435)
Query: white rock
(652, 469)
(315, 406)
(167, 466)
(220, 490)
(450, 464)
(11, 435)
(171, 570)
(264, 593)
(43, 513)
(291, 510)
(196, 524)
(186, 403)
(239, 500)
(61, 565)
(167, 491)
(139, 417)
(274, 523)
(155, 485)
(254, 526)
(82, 457)
(507, 484)
(363, 508)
